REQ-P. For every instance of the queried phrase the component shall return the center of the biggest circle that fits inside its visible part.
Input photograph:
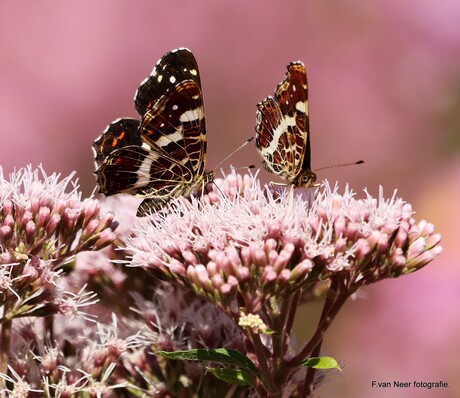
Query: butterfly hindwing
(120, 133)
(126, 170)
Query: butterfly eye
(308, 178)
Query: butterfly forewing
(165, 153)
(176, 126)
(282, 129)
(173, 68)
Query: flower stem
(330, 309)
(292, 309)
(267, 378)
(282, 328)
(308, 385)
(5, 338)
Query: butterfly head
(306, 178)
(208, 177)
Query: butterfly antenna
(251, 166)
(235, 151)
(217, 186)
(232, 168)
(340, 165)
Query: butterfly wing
(172, 158)
(176, 128)
(173, 68)
(282, 129)
(118, 134)
(132, 170)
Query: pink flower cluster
(242, 244)
(39, 218)
(254, 252)
(43, 225)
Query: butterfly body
(163, 155)
(282, 129)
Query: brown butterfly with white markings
(282, 129)
(283, 132)
(163, 155)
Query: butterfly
(282, 129)
(163, 155)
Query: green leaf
(220, 355)
(321, 363)
(237, 377)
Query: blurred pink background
(384, 84)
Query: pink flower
(256, 253)
(241, 244)
(44, 216)
(43, 225)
